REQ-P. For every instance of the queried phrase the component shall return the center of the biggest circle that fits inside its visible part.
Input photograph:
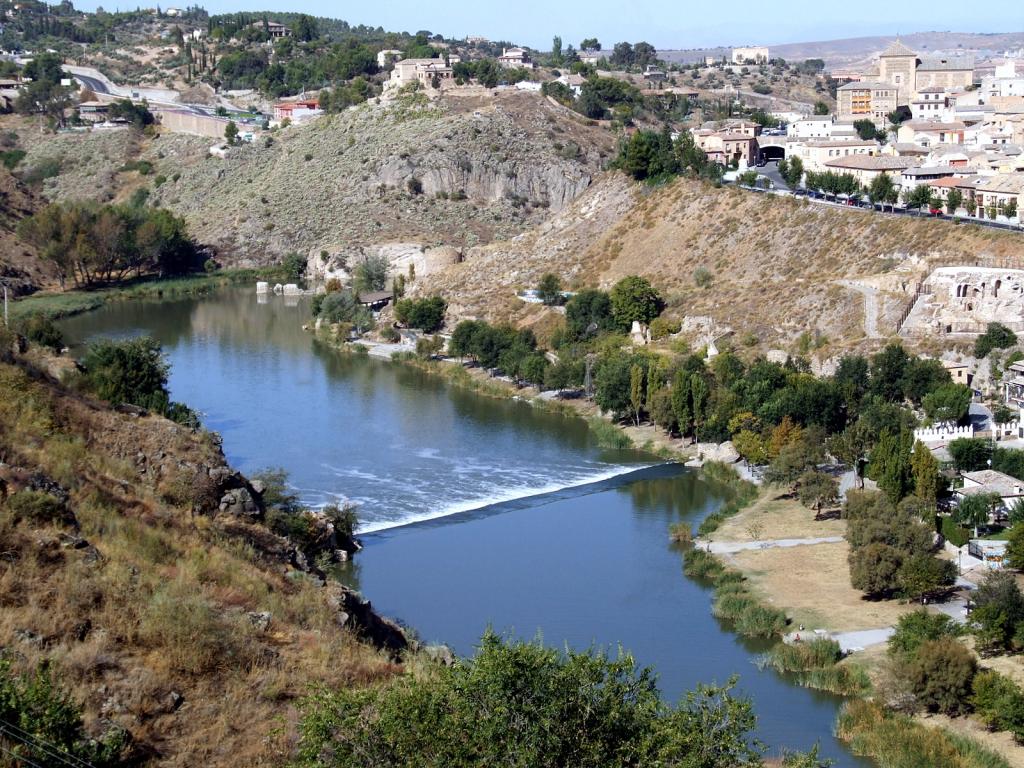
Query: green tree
(821, 108)
(999, 609)
(429, 347)
(1015, 546)
(549, 290)
(231, 132)
(866, 129)
(556, 50)
(817, 489)
(793, 172)
(996, 336)
(525, 705)
(587, 313)
(883, 190)
(294, 266)
(682, 403)
(918, 627)
(636, 391)
(634, 299)
(941, 674)
(954, 199)
(924, 574)
(970, 454)
(874, 569)
(974, 510)
(371, 273)
(924, 469)
(590, 44)
(534, 369)
(889, 464)
(426, 314)
(948, 403)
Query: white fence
(942, 433)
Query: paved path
(862, 638)
(870, 295)
(728, 547)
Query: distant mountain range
(854, 51)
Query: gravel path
(728, 547)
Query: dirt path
(729, 547)
(870, 295)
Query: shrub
(940, 675)
(38, 706)
(294, 266)
(425, 314)
(999, 702)
(918, 627)
(35, 507)
(390, 334)
(996, 336)
(874, 568)
(953, 533)
(761, 621)
(663, 326)
(414, 185)
(700, 564)
(634, 299)
(11, 157)
(130, 371)
(43, 331)
(524, 704)
(46, 168)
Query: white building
(819, 127)
(387, 56)
(515, 58)
(755, 54)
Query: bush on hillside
(524, 704)
(940, 676)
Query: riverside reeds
(896, 740)
(734, 601)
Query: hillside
(773, 263)
(138, 563)
(460, 170)
(21, 269)
(853, 50)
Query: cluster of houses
(964, 131)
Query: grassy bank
(815, 664)
(895, 740)
(734, 601)
(57, 305)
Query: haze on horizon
(659, 22)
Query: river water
(476, 512)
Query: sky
(663, 23)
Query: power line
(41, 745)
(20, 758)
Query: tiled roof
(946, 64)
(896, 48)
(867, 85)
(872, 163)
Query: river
(475, 511)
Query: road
(771, 170)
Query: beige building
(865, 168)
(816, 154)
(909, 74)
(930, 133)
(421, 71)
(727, 148)
(752, 54)
(993, 193)
(866, 100)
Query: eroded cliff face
(447, 170)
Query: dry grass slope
(153, 601)
(773, 261)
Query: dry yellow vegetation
(774, 262)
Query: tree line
(90, 243)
